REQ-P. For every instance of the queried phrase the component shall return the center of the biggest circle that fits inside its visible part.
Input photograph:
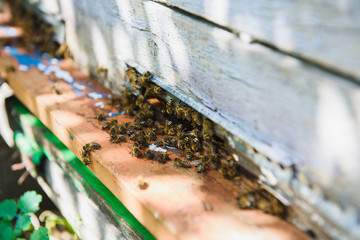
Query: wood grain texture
(171, 207)
(290, 111)
(325, 32)
(77, 195)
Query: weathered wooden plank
(162, 207)
(324, 32)
(286, 109)
(81, 198)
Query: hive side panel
(322, 32)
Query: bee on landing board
(182, 163)
(136, 152)
(55, 90)
(149, 154)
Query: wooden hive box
(280, 80)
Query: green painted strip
(87, 175)
(29, 147)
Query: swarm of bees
(39, 34)
(179, 125)
(260, 200)
(170, 123)
(87, 149)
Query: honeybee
(140, 116)
(195, 144)
(132, 135)
(201, 164)
(179, 134)
(100, 117)
(55, 90)
(85, 153)
(195, 132)
(86, 160)
(107, 125)
(87, 148)
(170, 131)
(141, 183)
(140, 100)
(200, 167)
(187, 113)
(181, 144)
(169, 107)
(122, 128)
(144, 79)
(180, 131)
(147, 75)
(149, 154)
(10, 68)
(196, 118)
(135, 126)
(134, 83)
(171, 141)
(218, 142)
(152, 90)
(169, 128)
(208, 130)
(162, 158)
(168, 123)
(188, 154)
(129, 109)
(160, 142)
(149, 91)
(149, 122)
(136, 152)
(278, 208)
(131, 74)
(113, 130)
(157, 90)
(179, 112)
(180, 127)
(247, 200)
(146, 106)
(151, 135)
(142, 142)
(237, 180)
(102, 72)
(187, 142)
(160, 129)
(182, 163)
(91, 146)
(117, 138)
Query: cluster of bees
(261, 200)
(171, 123)
(86, 152)
(163, 120)
(37, 34)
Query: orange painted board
(172, 205)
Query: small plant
(15, 221)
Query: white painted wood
(327, 32)
(288, 110)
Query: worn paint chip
(156, 148)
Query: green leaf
(23, 223)
(20, 239)
(40, 234)
(29, 202)
(8, 209)
(6, 232)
